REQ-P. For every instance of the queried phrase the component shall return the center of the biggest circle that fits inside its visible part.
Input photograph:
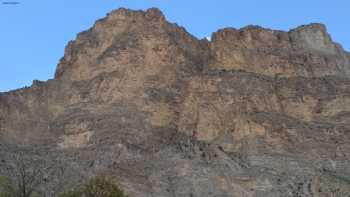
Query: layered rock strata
(253, 112)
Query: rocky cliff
(253, 112)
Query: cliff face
(253, 112)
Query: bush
(96, 187)
(6, 188)
(72, 193)
(9, 189)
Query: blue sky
(34, 33)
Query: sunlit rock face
(306, 51)
(253, 112)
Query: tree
(24, 178)
(96, 187)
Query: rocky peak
(153, 14)
(251, 37)
(313, 37)
(126, 37)
(306, 51)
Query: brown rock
(254, 112)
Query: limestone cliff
(253, 112)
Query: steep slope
(254, 112)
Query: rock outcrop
(253, 112)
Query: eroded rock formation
(253, 112)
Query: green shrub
(9, 189)
(72, 193)
(96, 187)
(6, 188)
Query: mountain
(252, 112)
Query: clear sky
(33, 34)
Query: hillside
(252, 112)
